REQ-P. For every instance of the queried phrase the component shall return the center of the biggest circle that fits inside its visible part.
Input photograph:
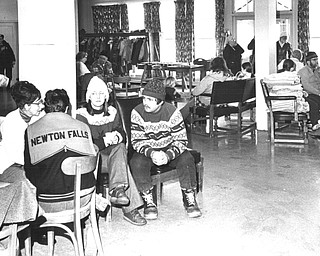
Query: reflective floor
(257, 200)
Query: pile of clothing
(287, 84)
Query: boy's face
(150, 104)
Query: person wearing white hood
(108, 134)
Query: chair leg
(27, 242)
(159, 192)
(200, 170)
(13, 240)
(95, 231)
(50, 237)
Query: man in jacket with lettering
(50, 140)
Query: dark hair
(23, 93)
(2, 36)
(247, 66)
(218, 64)
(81, 55)
(56, 101)
(287, 65)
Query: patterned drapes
(220, 33)
(303, 25)
(110, 18)
(151, 17)
(184, 27)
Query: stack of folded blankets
(286, 84)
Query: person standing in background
(284, 49)
(232, 54)
(7, 59)
(251, 46)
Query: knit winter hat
(311, 55)
(155, 88)
(96, 85)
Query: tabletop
(18, 202)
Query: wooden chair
(11, 232)
(151, 71)
(228, 97)
(161, 174)
(285, 127)
(75, 166)
(126, 88)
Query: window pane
(135, 16)
(245, 32)
(243, 5)
(284, 5)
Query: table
(185, 68)
(18, 202)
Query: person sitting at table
(219, 72)
(108, 134)
(29, 108)
(102, 67)
(171, 92)
(28, 100)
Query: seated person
(219, 72)
(171, 92)
(288, 65)
(310, 80)
(246, 71)
(287, 83)
(297, 57)
(107, 132)
(102, 67)
(81, 59)
(159, 137)
(51, 140)
(28, 100)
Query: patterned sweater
(163, 130)
(100, 124)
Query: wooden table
(185, 68)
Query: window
(314, 6)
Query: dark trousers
(141, 166)
(314, 103)
(7, 71)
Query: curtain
(303, 25)
(110, 18)
(151, 17)
(184, 27)
(152, 25)
(220, 33)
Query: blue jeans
(141, 166)
(114, 161)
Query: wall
(8, 11)
(9, 28)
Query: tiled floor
(257, 200)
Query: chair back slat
(265, 91)
(227, 91)
(249, 89)
(86, 164)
